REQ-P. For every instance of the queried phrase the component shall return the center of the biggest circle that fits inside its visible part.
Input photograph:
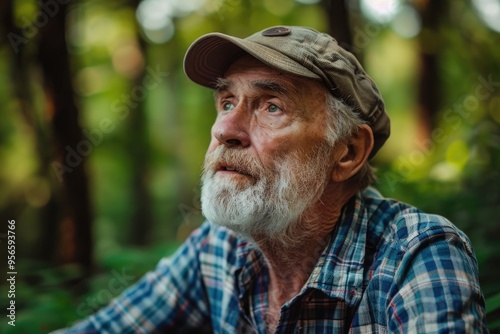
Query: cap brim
(209, 57)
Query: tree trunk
(142, 223)
(429, 88)
(71, 149)
(338, 22)
(20, 69)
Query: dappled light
(381, 11)
(489, 12)
(101, 173)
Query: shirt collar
(340, 270)
(251, 263)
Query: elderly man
(295, 239)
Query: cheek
(270, 142)
(300, 137)
(272, 148)
(301, 148)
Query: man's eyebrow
(270, 85)
(222, 84)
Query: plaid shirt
(388, 268)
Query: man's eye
(227, 106)
(273, 108)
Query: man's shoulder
(404, 224)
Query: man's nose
(230, 128)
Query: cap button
(276, 31)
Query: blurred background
(102, 136)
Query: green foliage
(452, 172)
(48, 298)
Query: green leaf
(492, 303)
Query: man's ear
(354, 155)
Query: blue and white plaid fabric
(388, 268)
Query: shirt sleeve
(171, 298)
(436, 286)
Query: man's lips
(232, 169)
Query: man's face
(268, 161)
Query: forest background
(102, 136)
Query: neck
(292, 258)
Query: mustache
(223, 157)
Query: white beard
(269, 201)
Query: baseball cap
(296, 50)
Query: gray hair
(343, 122)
